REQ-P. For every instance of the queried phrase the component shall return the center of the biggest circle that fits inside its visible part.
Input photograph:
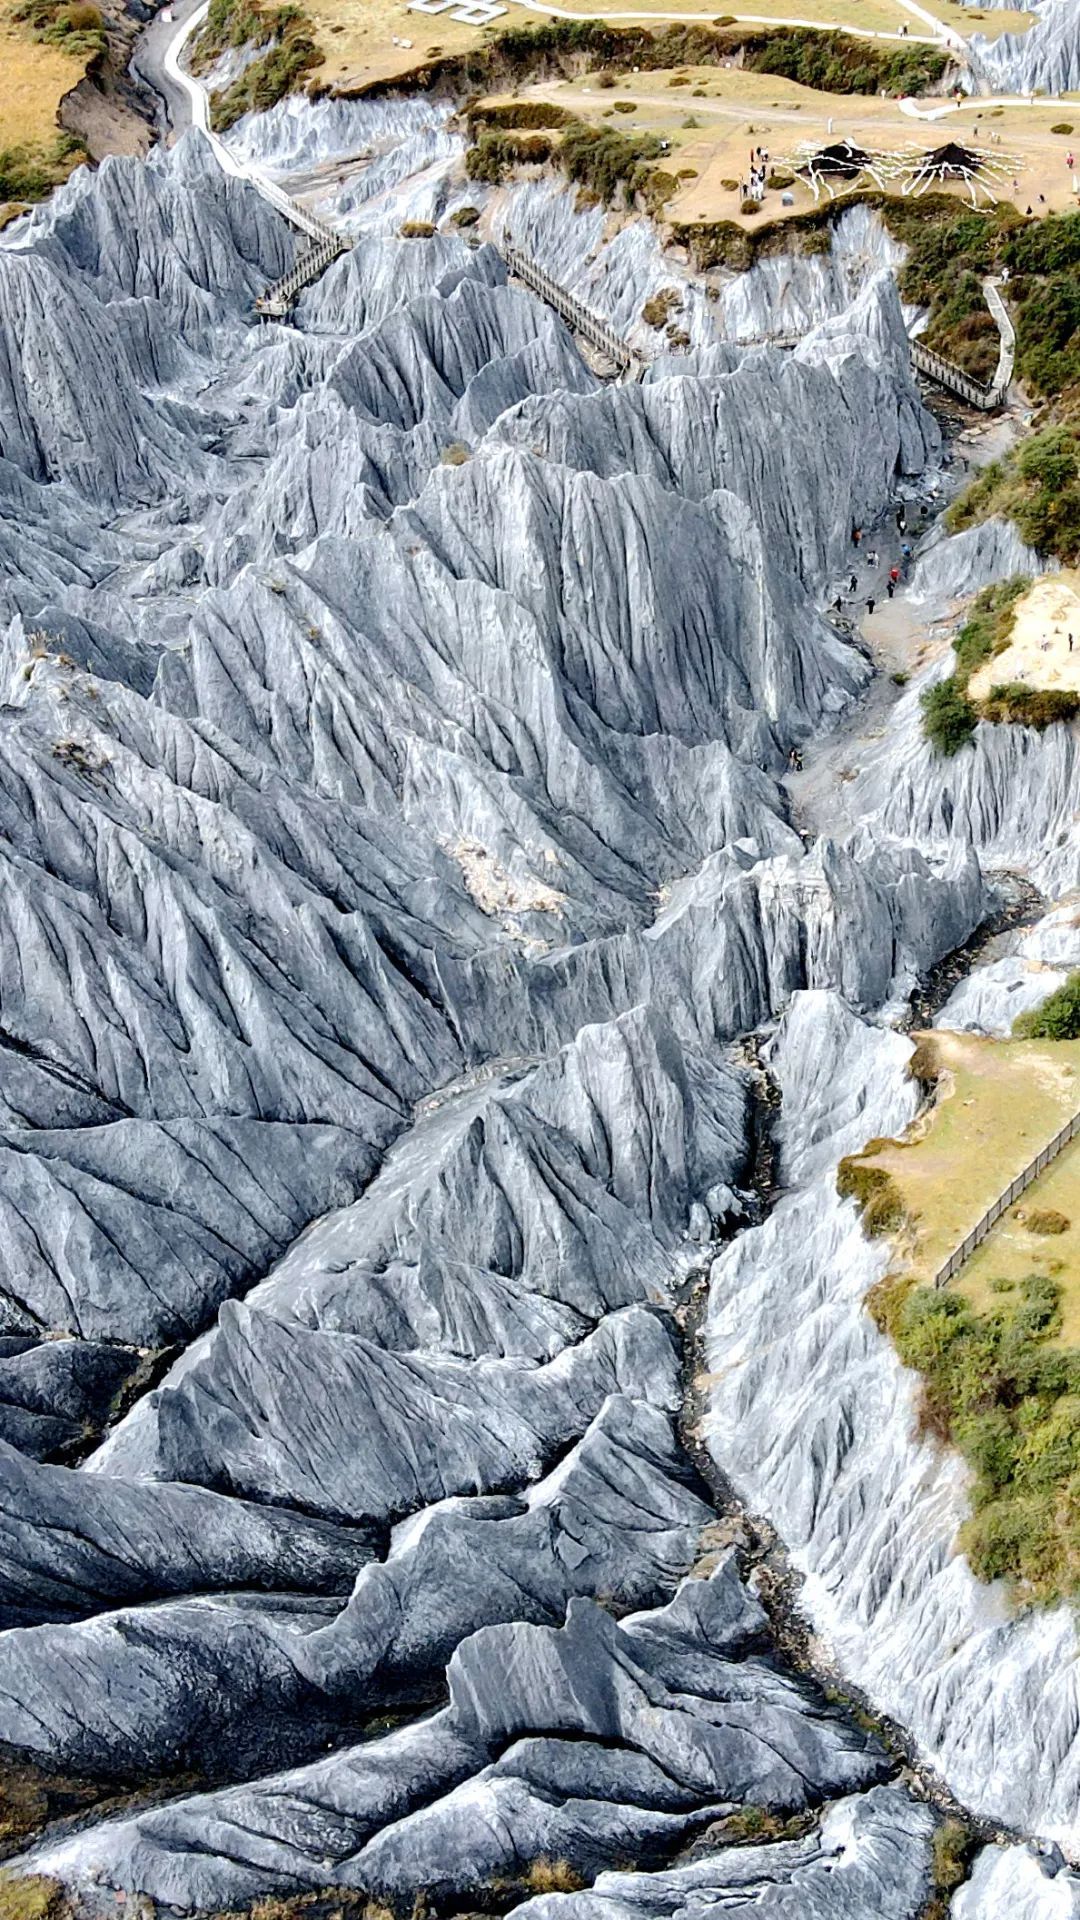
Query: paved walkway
(940, 37)
(186, 86)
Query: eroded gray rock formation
(391, 848)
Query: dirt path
(900, 641)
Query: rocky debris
(575, 1742)
(57, 1394)
(868, 1860)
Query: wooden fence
(1005, 1200)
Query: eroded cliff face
(1045, 59)
(393, 850)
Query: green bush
(495, 153)
(1026, 706)
(948, 717)
(30, 173)
(1037, 486)
(1057, 1019)
(465, 217)
(417, 230)
(612, 164)
(1009, 1402)
(517, 114)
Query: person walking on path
(890, 586)
(870, 604)
(894, 575)
(853, 583)
(856, 536)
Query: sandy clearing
(1038, 653)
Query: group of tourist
(873, 560)
(753, 188)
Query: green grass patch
(32, 1897)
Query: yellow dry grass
(1038, 653)
(35, 80)
(871, 16)
(735, 110)
(998, 1103)
(357, 38)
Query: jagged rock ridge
(391, 845)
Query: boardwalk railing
(278, 300)
(577, 316)
(600, 335)
(1005, 1200)
(944, 374)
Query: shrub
(749, 206)
(464, 216)
(1046, 1220)
(989, 624)
(1008, 1401)
(32, 1897)
(82, 17)
(625, 106)
(604, 80)
(518, 114)
(874, 1192)
(952, 1848)
(1028, 706)
(1057, 1019)
(613, 164)
(778, 178)
(416, 230)
(495, 152)
(657, 310)
(552, 1876)
(1063, 126)
(456, 454)
(948, 716)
